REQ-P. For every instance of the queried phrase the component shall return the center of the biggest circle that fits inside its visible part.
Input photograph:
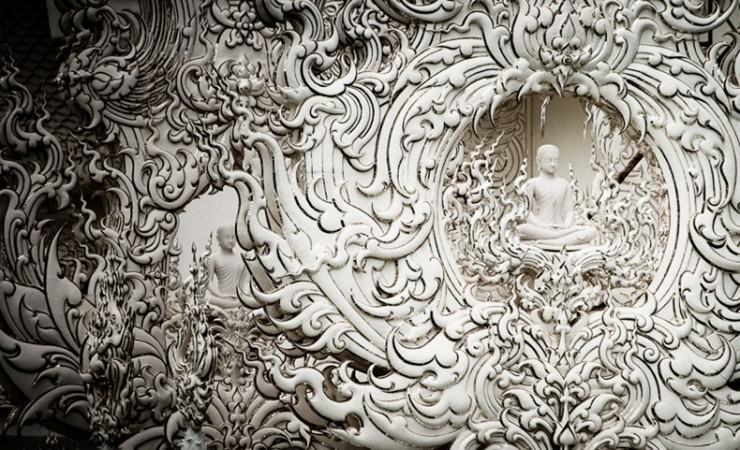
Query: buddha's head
(226, 237)
(547, 158)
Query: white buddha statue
(550, 223)
(225, 270)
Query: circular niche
(615, 186)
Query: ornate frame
(335, 121)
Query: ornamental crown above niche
(361, 224)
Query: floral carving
(389, 301)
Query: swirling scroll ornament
(388, 303)
(107, 367)
(41, 305)
(353, 258)
(193, 357)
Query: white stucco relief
(400, 289)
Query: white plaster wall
(564, 127)
(201, 218)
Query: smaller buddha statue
(550, 223)
(225, 270)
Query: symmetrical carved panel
(389, 297)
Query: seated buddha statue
(224, 271)
(550, 223)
